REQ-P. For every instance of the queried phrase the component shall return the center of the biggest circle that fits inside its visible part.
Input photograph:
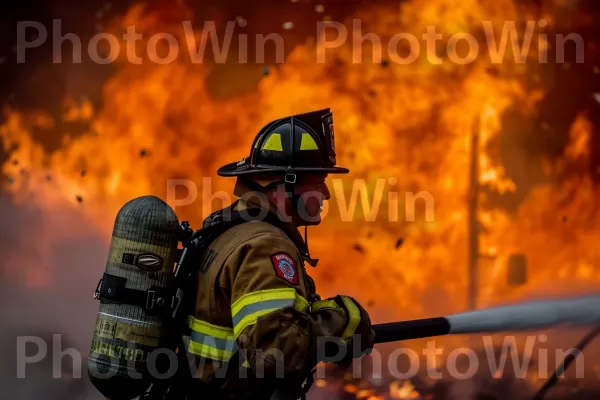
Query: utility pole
(473, 221)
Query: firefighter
(256, 304)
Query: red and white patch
(285, 267)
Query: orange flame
(403, 391)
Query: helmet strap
(290, 182)
(306, 235)
(290, 177)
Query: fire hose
(582, 311)
(535, 315)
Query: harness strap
(111, 289)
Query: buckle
(150, 302)
(97, 291)
(291, 176)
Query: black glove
(350, 322)
(359, 326)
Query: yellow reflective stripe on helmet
(307, 142)
(353, 317)
(273, 143)
(324, 305)
(246, 310)
(211, 341)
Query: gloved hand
(345, 318)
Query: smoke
(50, 264)
(573, 312)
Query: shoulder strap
(225, 219)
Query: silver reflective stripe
(261, 306)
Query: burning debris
(495, 72)
(358, 248)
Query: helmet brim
(233, 169)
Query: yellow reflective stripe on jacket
(246, 310)
(353, 317)
(211, 341)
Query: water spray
(529, 316)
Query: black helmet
(298, 144)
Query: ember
(403, 390)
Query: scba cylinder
(138, 270)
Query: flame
(403, 390)
(580, 139)
(320, 383)
(350, 388)
(413, 123)
(365, 393)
